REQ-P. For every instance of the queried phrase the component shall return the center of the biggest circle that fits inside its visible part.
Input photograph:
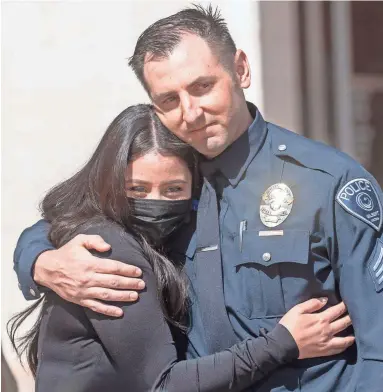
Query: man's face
(196, 97)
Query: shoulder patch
(359, 198)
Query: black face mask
(157, 219)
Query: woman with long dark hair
(135, 191)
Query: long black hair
(96, 193)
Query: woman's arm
(143, 351)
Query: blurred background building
(317, 69)
(334, 52)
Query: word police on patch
(360, 199)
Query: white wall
(64, 78)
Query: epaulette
(309, 153)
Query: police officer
(281, 218)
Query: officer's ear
(242, 69)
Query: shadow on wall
(8, 382)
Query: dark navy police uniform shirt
(330, 244)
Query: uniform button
(266, 256)
(32, 292)
(282, 147)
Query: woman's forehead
(153, 166)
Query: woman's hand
(315, 333)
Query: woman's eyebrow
(174, 182)
(137, 181)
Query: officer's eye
(169, 103)
(202, 88)
(169, 100)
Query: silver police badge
(276, 204)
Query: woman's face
(154, 176)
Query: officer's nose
(191, 111)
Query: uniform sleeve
(32, 242)
(144, 352)
(358, 256)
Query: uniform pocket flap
(291, 247)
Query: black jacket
(82, 351)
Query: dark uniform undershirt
(82, 351)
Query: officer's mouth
(202, 129)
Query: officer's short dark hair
(160, 39)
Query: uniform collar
(233, 162)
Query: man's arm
(358, 256)
(32, 243)
(72, 271)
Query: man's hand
(315, 333)
(78, 277)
